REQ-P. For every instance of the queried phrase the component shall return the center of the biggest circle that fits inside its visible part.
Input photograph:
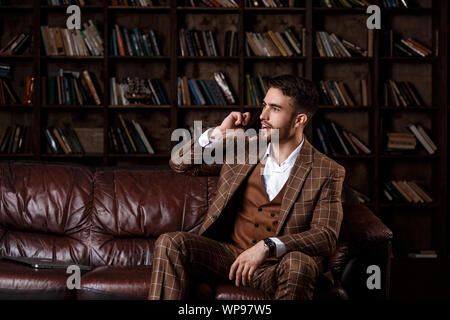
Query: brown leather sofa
(109, 218)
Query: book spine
(420, 138)
(143, 137)
(127, 132)
(122, 141)
(90, 84)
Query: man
(271, 224)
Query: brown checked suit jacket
(311, 209)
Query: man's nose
(264, 114)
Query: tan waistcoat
(258, 217)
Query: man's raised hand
(231, 126)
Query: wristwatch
(271, 245)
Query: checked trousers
(180, 255)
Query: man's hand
(246, 263)
(235, 121)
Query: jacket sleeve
(321, 238)
(189, 160)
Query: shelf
(408, 259)
(14, 106)
(353, 156)
(348, 108)
(60, 8)
(139, 57)
(140, 106)
(409, 205)
(251, 107)
(90, 155)
(15, 8)
(195, 107)
(72, 58)
(136, 8)
(207, 9)
(417, 11)
(409, 156)
(206, 58)
(274, 58)
(136, 155)
(409, 59)
(16, 155)
(410, 109)
(343, 59)
(339, 10)
(17, 57)
(62, 107)
(275, 10)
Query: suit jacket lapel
(241, 172)
(232, 180)
(294, 184)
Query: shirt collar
(291, 159)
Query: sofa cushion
(45, 210)
(133, 207)
(19, 281)
(231, 292)
(111, 282)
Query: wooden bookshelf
(367, 173)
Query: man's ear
(301, 120)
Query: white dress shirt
(274, 176)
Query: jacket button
(268, 229)
(272, 214)
(259, 209)
(256, 225)
(254, 241)
(214, 217)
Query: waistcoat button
(254, 241)
(268, 229)
(256, 225)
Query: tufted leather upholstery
(109, 218)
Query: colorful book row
(64, 42)
(71, 88)
(129, 137)
(14, 139)
(126, 42)
(275, 44)
(336, 141)
(215, 92)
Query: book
(91, 139)
(90, 80)
(142, 135)
(421, 138)
(420, 191)
(52, 142)
(359, 143)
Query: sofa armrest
(355, 276)
(364, 240)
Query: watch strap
(271, 245)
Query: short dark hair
(302, 91)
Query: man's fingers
(250, 274)
(246, 118)
(232, 270)
(238, 275)
(238, 117)
(245, 275)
